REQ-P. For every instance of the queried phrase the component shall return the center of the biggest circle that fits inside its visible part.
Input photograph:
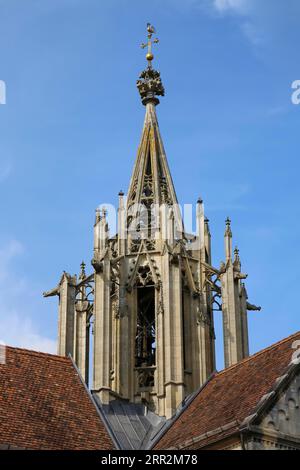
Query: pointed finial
(121, 200)
(206, 225)
(228, 227)
(149, 55)
(104, 212)
(97, 217)
(237, 261)
(200, 207)
(228, 239)
(82, 270)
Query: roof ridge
(258, 353)
(31, 352)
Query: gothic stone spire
(151, 182)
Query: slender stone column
(205, 316)
(82, 329)
(102, 332)
(173, 333)
(66, 316)
(231, 306)
(102, 311)
(244, 320)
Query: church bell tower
(151, 296)
(153, 331)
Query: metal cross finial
(151, 31)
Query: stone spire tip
(82, 270)
(228, 232)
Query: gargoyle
(52, 292)
(253, 308)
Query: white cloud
(260, 20)
(7, 253)
(247, 10)
(19, 331)
(238, 6)
(17, 327)
(252, 33)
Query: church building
(140, 324)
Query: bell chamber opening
(145, 343)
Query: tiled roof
(45, 405)
(228, 398)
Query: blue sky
(72, 122)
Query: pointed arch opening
(145, 344)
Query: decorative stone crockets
(153, 292)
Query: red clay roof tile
(230, 395)
(44, 404)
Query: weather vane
(149, 55)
